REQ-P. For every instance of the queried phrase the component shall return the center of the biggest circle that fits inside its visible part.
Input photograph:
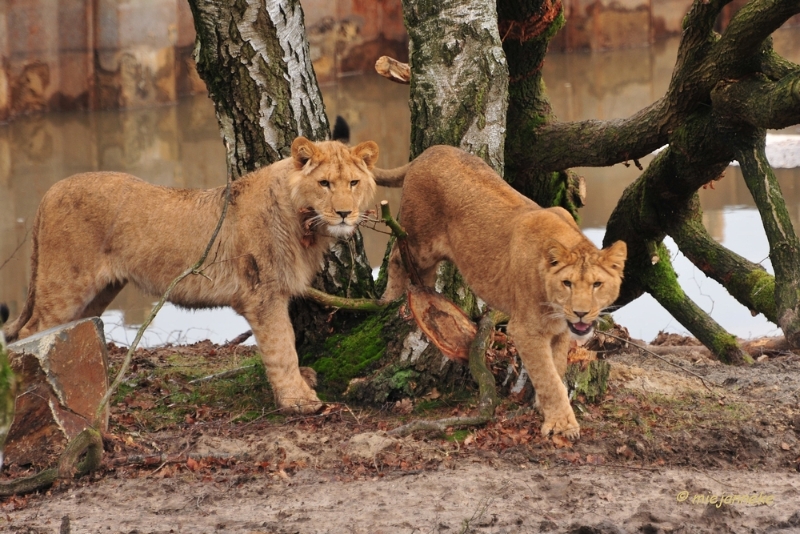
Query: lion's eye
(567, 283)
(354, 183)
(597, 284)
(324, 183)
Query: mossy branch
(703, 61)
(747, 282)
(784, 244)
(87, 445)
(661, 281)
(344, 303)
(760, 101)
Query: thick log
(63, 375)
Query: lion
(95, 232)
(531, 263)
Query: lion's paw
(565, 425)
(301, 400)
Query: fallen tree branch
(87, 445)
(241, 338)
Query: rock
(63, 375)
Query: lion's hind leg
(397, 276)
(101, 301)
(61, 300)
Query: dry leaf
(192, 464)
(561, 442)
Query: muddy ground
(658, 454)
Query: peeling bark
(459, 77)
(255, 61)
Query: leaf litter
(215, 455)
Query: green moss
(350, 355)
(591, 382)
(662, 280)
(762, 292)
(557, 24)
(458, 435)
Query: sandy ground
(658, 455)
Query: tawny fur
(95, 232)
(531, 263)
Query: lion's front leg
(274, 334)
(536, 352)
(560, 347)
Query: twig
(19, 246)
(645, 349)
(344, 303)
(238, 340)
(402, 245)
(224, 374)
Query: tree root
(88, 444)
(487, 402)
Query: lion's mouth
(581, 329)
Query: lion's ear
(367, 151)
(557, 254)
(302, 151)
(615, 256)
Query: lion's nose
(580, 314)
(344, 214)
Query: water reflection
(180, 146)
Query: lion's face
(582, 282)
(334, 181)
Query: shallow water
(180, 146)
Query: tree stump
(62, 375)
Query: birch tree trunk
(254, 58)
(458, 97)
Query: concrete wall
(93, 54)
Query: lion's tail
(390, 177)
(11, 330)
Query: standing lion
(95, 232)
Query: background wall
(111, 54)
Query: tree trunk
(458, 98)
(526, 27)
(255, 61)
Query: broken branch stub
(393, 70)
